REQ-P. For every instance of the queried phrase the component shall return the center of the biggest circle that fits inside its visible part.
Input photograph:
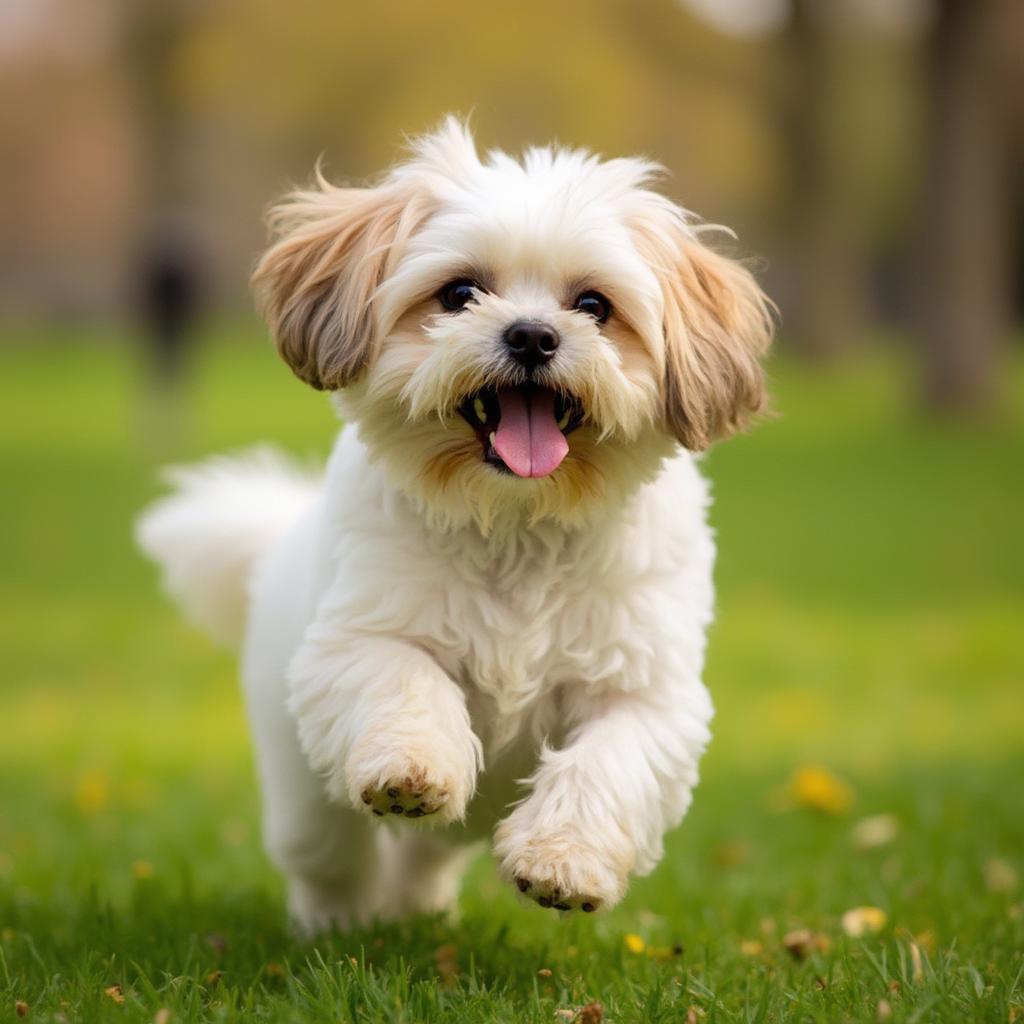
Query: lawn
(867, 661)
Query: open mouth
(523, 429)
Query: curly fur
(426, 630)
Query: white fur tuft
(222, 515)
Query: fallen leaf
(917, 961)
(883, 1011)
(864, 921)
(731, 853)
(274, 970)
(592, 1013)
(545, 972)
(213, 978)
(818, 789)
(878, 830)
(662, 953)
(21, 1008)
(445, 960)
(162, 1016)
(801, 942)
(751, 947)
(634, 943)
(1000, 876)
(114, 992)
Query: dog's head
(515, 339)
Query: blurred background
(870, 150)
(869, 155)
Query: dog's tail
(207, 535)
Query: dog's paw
(412, 795)
(427, 781)
(561, 869)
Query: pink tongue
(528, 439)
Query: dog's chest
(515, 628)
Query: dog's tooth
(478, 408)
(490, 437)
(564, 421)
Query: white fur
(210, 530)
(442, 638)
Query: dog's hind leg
(327, 852)
(421, 872)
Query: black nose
(531, 342)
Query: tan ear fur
(315, 285)
(718, 324)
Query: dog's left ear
(316, 284)
(718, 324)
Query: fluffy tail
(207, 535)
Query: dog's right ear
(316, 283)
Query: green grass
(871, 586)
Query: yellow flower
(142, 869)
(864, 921)
(634, 943)
(817, 788)
(92, 792)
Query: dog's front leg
(385, 726)
(600, 805)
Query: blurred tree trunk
(154, 36)
(829, 266)
(964, 288)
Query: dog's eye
(594, 304)
(455, 294)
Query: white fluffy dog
(506, 573)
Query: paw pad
(408, 797)
(551, 897)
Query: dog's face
(516, 341)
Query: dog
(488, 617)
